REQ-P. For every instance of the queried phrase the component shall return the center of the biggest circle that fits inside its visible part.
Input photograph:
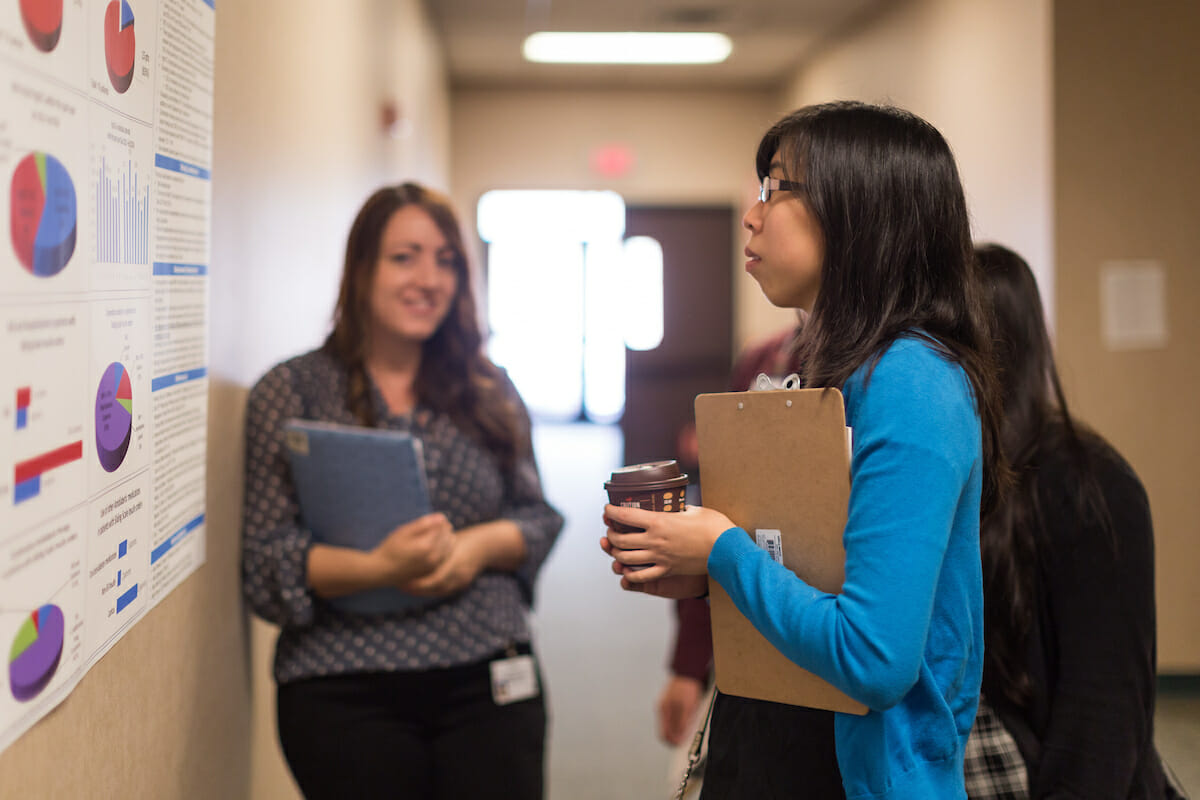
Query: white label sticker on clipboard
(771, 540)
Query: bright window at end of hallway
(566, 295)
(643, 268)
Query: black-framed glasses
(770, 184)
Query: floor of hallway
(603, 651)
(1177, 730)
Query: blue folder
(355, 485)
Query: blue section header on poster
(175, 539)
(163, 268)
(182, 167)
(176, 378)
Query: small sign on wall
(1133, 304)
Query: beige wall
(1128, 186)
(979, 71)
(691, 147)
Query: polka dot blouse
(466, 483)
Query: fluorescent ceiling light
(627, 48)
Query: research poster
(105, 157)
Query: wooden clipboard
(777, 460)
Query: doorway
(697, 343)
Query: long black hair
(884, 188)
(1037, 425)
(455, 376)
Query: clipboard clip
(764, 382)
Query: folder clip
(764, 382)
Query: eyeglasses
(770, 184)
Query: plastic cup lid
(648, 476)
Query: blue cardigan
(905, 636)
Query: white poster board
(105, 193)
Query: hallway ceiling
(770, 38)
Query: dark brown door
(696, 350)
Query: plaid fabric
(993, 766)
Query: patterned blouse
(466, 482)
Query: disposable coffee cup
(654, 486)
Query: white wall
(298, 146)
(981, 72)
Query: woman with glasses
(861, 222)
(441, 700)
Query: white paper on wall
(1133, 304)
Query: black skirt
(759, 750)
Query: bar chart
(28, 474)
(122, 214)
(24, 395)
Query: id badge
(513, 679)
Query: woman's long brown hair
(455, 377)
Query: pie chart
(114, 416)
(35, 652)
(42, 216)
(119, 44)
(43, 22)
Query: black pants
(768, 751)
(435, 734)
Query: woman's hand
(674, 543)
(415, 548)
(676, 587)
(495, 545)
(463, 564)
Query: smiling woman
(415, 281)
(393, 699)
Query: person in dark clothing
(1068, 564)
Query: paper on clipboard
(777, 462)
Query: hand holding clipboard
(778, 462)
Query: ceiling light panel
(632, 47)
